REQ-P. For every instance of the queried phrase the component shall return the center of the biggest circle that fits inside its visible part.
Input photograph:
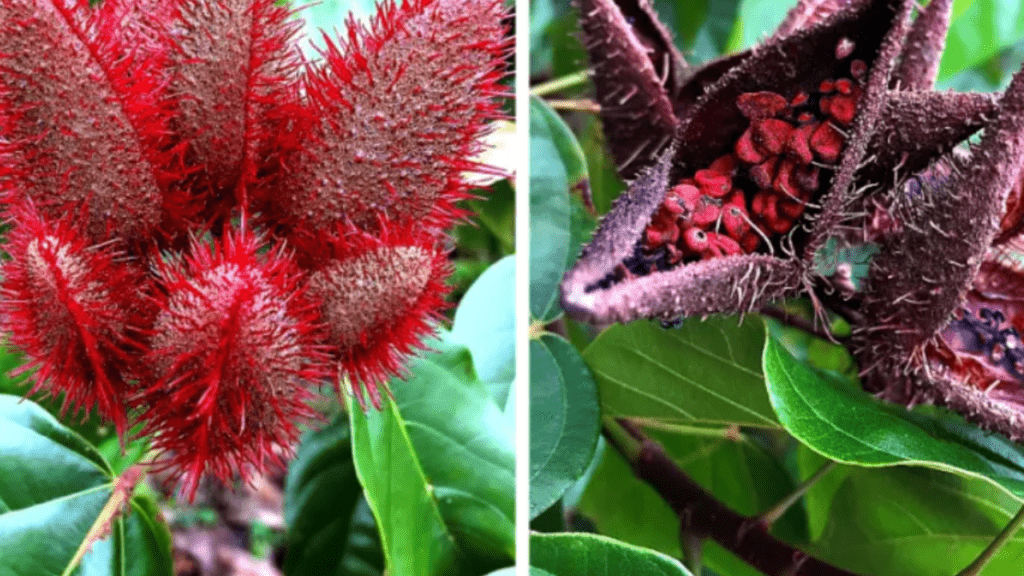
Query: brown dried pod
(748, 165)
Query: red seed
(827, 143)
(842, 108)
(780, 224)
(727, 246)
(734, 220)
(653, 238)
(688, 194)
(696, 240)
(745, 149)
(750, 242)
(707, 212)
(784, 179)
(859, 70)
(844, 48)
(757, 205)
(671, 204)
(799, 100)
(736, 199)
(805, 117)
(714, 184)
(791, 208)
(760, 105)
(724, 165)
(807, 179)
(844, 86)
(674, 254)
(826, 86)
(764, 173)
(800, 143)
(772, 134)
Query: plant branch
(772, 515)
(994, 546)
(704, 516)
(558, 84)
(576, 104)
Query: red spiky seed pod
(233, 348)
(382, 295)
(235, 89)
(74, 310)
(82, 114)
(404, 102)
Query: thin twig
(772, 515)
(558, 84)
(704, 516)
(994, 546)
(576, 104)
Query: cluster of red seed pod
(757, 191)
(204, 225)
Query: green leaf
(485, 322)
(466, 447)
(322, 502)
(329, 16)
(917, 521)
(437, 466)
(53, 487)
(979, 30)
(840, 422)
(564, 420)
(557, 166)
(413, 534)
(757, 20)
(702, 373)
(593, 555)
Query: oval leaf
(847, 425)
(325, 510)
(564, 420)
(701, 373)
(54, 488)
(485, 322)
(593, 555)
(557, 166)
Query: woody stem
(994, 546)
(703, 516)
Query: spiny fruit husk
(234, 346)
(75, 309)
(406, 100)
(84, 114)
(941, 312)
(381, 295)
(793, 136)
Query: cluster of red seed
(758, 190)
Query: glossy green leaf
(564, 420)
(413, 534)
(557, 166)
(917, 521)
(593, 555)
(701, 373)
(840, 422)
(53, 487)
(437, 467)
(485, 322)
(466, 448)
(325, 510)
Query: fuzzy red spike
(382, 295)
(233, 348)
(74, 312)
(83, 118)
(404, 102)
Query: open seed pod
(942, 308)
(746, 166)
